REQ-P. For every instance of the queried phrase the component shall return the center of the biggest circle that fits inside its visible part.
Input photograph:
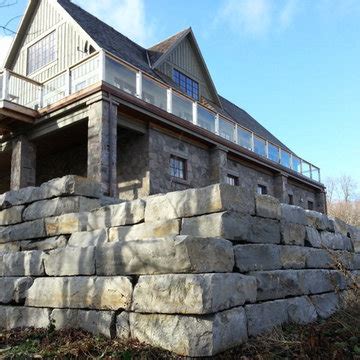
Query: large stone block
(319, 259)
(182, 254)
(52, 243)
(122, 325)
(88, 238)
(192, 294)
(193, 202)
(265, 316)
(267, 207)
(293, 257)
(325, 304)
(158, 229)
(319, 221)
(126, 213)
(293, 234)
(95, 322)
(70, 261)
(13, 317)
(279, 284)
(100, 293)
(313, 237)
(10, 246)
(13, 289)
(301, 310)
(354, 233)
(191, 335)
(67, 185)
(59, 206)
(66, 224)
(11, 216)
(293, 214)
(253, 257)
(25, 263)
(228, 225)
(264, 231)
(336, 241)
(24, 231)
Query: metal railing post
(236, 136)
(139, 84)
(195, 113)
(169, 98)
(217, 124)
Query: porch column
(102, 145)
(281, 188)
(23, 164)
(218, 165)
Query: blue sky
(292, 64)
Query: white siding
(47, 18)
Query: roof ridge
(103, 22)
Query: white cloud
(257, 17)
(5, 43)
(126, 16)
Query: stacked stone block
(195, 271)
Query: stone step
(192, 294)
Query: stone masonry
(195, 271)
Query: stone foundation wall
(195, 271)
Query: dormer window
(187, 85)
(41, 53)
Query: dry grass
(335, 338)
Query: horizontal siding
(69, 39)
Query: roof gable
(163, 52)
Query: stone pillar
(281, 188)
(218, 166)
(23, 164)
(102, 146)
(320, 199)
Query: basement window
(41, 53)
(310, 205)
(262, 190)
(232, 180)
(178, 167)
(291, 199)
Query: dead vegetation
(335, 338)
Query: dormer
(179, 58)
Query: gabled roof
(114, 42)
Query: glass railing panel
(153, 93)
(120, 76)
(259, 146)
(206, 119)
(1, 85)
(84, 75)
(245, 138)
(296, 164)
(274, 154)
(226, 129)
(315, 173)
(306, 169)
(182, 107)
(55, 89)
(285, 159)
(23, 92)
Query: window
(232, 180)
(291, 199)
(41, 53)
(310, 205)
(261, 189)
(178, 167)
(186, 84)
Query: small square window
(261, 190)
(178, 167)
(310, 205)
(291, 199)
(232, 180)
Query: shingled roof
(116, 43)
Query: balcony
(29, 96)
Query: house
(78, 97)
